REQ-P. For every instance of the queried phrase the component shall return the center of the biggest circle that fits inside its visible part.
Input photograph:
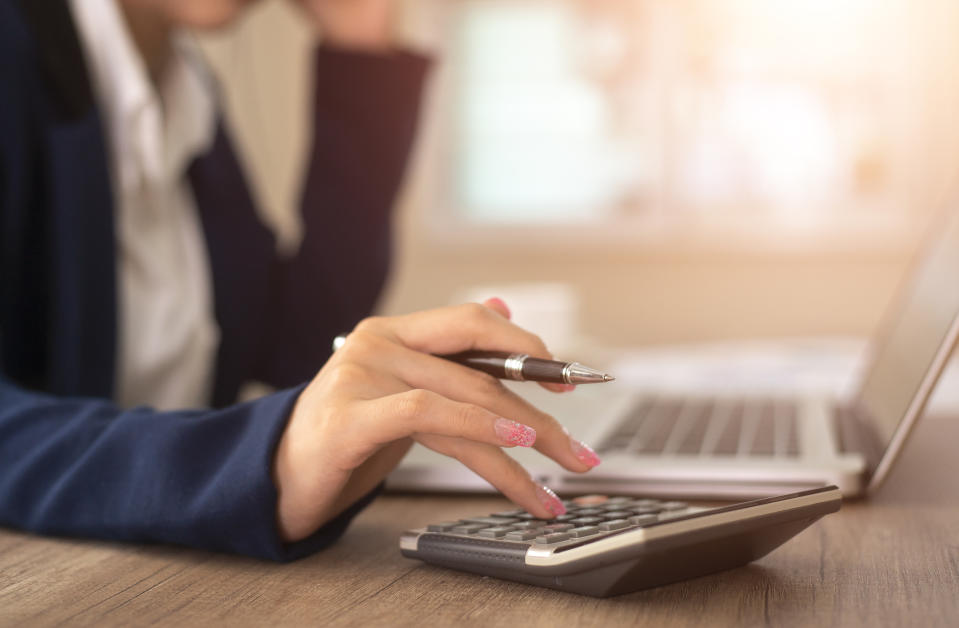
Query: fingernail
(584, 453)
(513, 433)
(569, 387)
(502, 304)
(550, 501)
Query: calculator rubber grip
(477, 552)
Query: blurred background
(642, 172)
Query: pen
(520, 367)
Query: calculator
(607, 545)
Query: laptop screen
(915, 333)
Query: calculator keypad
(587, 517)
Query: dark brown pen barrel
(491, 362)
(539, 370)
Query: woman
(136, 281)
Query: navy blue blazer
(73, 463)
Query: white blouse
(167, 334)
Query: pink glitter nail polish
(549, 499)
(513, 433)
(584, 453)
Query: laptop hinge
(857, 434)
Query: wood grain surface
(890, 561)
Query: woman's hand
(355, 24)
(382, 390)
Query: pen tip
(608, 378)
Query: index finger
(457, 328)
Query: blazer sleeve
(201, 478)
(366, 108)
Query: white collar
(153, 137)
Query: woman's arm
(366, 107)
(83, 467)
(282, 476)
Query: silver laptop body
(739, 446)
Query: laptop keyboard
(707, 427)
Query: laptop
(698, 445)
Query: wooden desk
(893, 560)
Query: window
(644, 115)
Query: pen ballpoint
(521, 367)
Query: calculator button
(445, 526)
(522, 535)
(555, 537)
(646, 510)
(578, 533)
(644, 503)
(616, 524)
(674, 505)
(590, 500)
(492, 521)
(495, 533)
(469, 528)
(557, 527)
(525, 516)
(584, 512)
(528, 525)
(586, 521)
(508, 513)
(614, 506)
(641, 520)
(565, 517)
(617, 514)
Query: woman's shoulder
(20, 52)
(42, 63)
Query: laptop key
(728, 442)
(652, 435)
(764, 438)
